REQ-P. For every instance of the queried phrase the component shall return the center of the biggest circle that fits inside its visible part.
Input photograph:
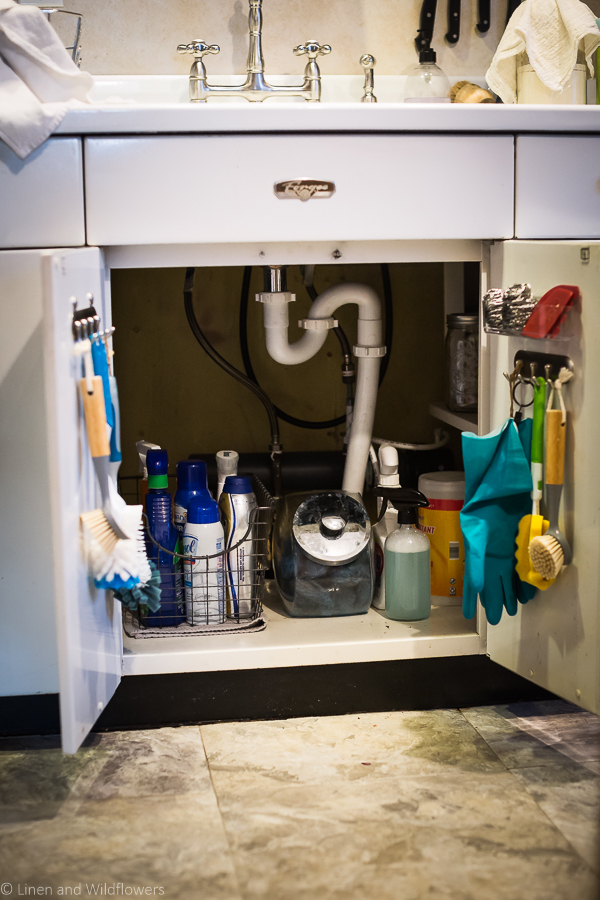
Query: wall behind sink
(140, 36)
(171, 393)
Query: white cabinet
(58, 631)
(41, 197)
(554, 639)
(557, 191)
(220, 188)
(433, 194)
(89, 633)
(28, 654)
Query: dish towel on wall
(39, 81)
(550, 32)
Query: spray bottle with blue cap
(191, 482)
(203, 578)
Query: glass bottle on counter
(462, 362)
(426, 82)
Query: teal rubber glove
(497, 495)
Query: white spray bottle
(388, 477)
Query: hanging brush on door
(114, 555)
(551, 551)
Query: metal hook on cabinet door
(511, 383)
(519, 381)
(75, 323)
(102, 335)
(93, 326)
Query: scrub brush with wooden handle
(102, 523)
(550, 552)
(534, 525)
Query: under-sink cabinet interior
(449, 214)
(172, 394)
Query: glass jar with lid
(462, 362)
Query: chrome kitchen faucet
(255, 87)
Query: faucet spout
(256, 62)
(255, 88)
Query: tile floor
(495, 802)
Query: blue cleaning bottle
(191, 482)
(160, 523)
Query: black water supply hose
(275, 446)
(347, 365)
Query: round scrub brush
(534, 525)
(467, 92)
(550, 552)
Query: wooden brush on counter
(467, 92)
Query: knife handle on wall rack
(453, 32)
(426, 24)
(484, 13)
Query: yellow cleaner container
(441, 523)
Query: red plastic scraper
(551, 311)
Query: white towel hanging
(550, 32)
(39, 81)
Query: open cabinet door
(554, 639)
(88, 621)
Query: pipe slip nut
(318, 324)
(372, 352)
(275, 297)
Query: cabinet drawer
(215, 189)
(42, 196)
(558, 187)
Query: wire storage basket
(214, 594)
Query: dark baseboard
(152, 701)
(29, 714)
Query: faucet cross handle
(312, 49)
(199, 48)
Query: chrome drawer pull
(304, 189)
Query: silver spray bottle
(236, 504)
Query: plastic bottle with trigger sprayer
(160, 524)
(388, 477)
(142, 449)
(408, 565)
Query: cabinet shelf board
(462, 421)
(295, 642)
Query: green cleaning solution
(407, 568)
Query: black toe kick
(187, 698)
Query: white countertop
(339, 117)
(160, 105)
